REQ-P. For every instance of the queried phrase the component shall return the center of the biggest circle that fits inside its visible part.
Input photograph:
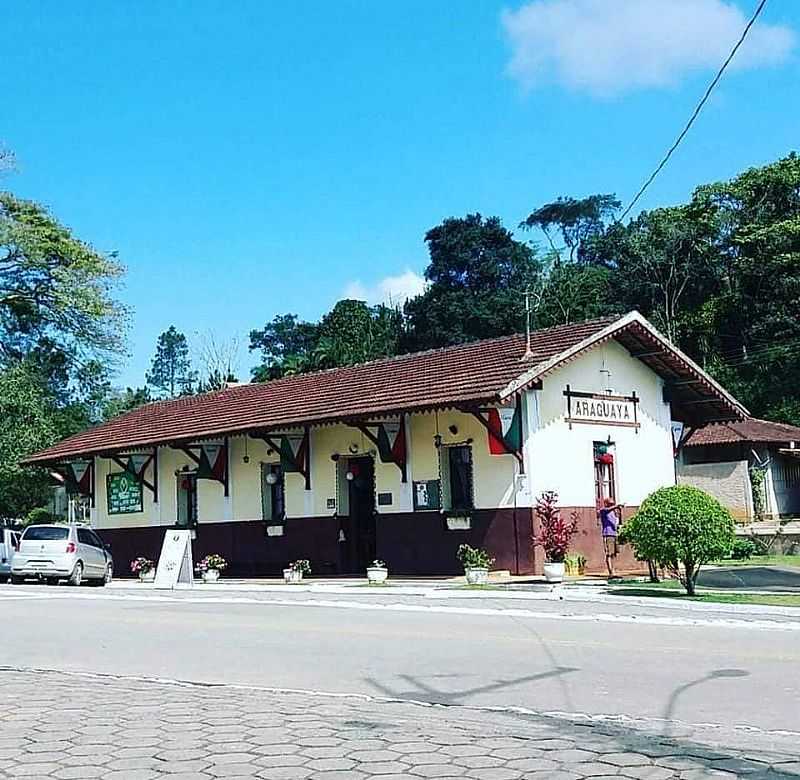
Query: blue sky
(253, 158)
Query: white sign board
(175, 562)
(599, 409)
(677, 435)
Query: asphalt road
(735, 682)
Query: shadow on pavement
(757, 578)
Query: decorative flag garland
(294, 453)
(213, 462)
(505, 430)
(392, 442)
(78, 475)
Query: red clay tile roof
(750, 430)
(468, 374)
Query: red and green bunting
(136, 464)
(294, 453)
(392, 442)
(505, 430)
(78, 476)
(213, 462)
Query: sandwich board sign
(175, 562)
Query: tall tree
(54, 289)
(477, 276)
(286, 345)
(27, 423)
(171, 372)
(353, 332)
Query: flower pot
(291, 576)
(210, 575)
(376, 575)
(554, 572)
(477, 576)
(147, 576)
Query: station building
(401, 459)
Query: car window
(98, 542)
(87, 537)
(44, 533)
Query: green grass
(761, 560)
(675, 591)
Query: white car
(59, 551)
(9, 541)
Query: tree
(576, 221)
(681, 528)
(54, 289)
(286, 345)
(27, 424)
(119, 402)
(662, 265)
(218, 361)
(571, 288)
(171, 372)
(353, 332)
(478, 274)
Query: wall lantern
(350, 476)
(272, 478)
(246, 458)
(453, 429)
(437, 441)
(335, 457)
(353, 448)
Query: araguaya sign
(602, 409)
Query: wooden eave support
(152, 460)
(374, 439)
(482, 420)
(266, 437)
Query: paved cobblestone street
(64, 726)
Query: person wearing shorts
(609, 527)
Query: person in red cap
(609, 515)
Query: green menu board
(124, 494)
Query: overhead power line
(697, 110)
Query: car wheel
(76, 578)
(3, 579)
(15, 580)
(52, 580)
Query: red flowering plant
(555, 533)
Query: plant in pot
(144, 568)
(554, 535)
(377, 572)
(476, 563)
(211, 566)
(574, 564)
(295, 571)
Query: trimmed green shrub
(743, 550)
(38, 516)
(680, 528)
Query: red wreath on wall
(606, 458)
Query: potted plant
(211, 566)
(377, 572)
(574, 564)
(554, 535)
(295, 571)
(476, 563)
(144, 568)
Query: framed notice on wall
(124, 494)
(427, 494)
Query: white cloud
(606, 47)
(391, 289)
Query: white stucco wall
(561, 459)
(728, 482)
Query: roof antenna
(528, 351)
